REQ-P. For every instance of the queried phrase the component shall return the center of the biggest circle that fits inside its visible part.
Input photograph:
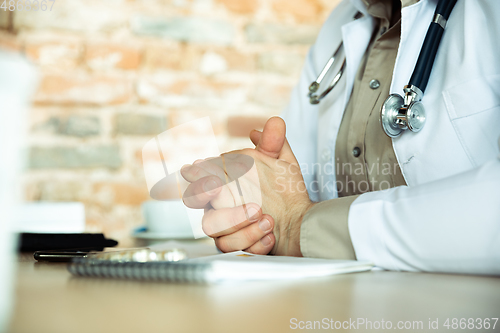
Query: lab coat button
(356, 152)
(374, 84)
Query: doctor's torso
(462, 99)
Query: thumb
(273, 137)
(285, 152)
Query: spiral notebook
(235, 266)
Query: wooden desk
(50, 300)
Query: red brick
(241, 126)
(54, 189)
(276, 34)
(285, 63)
(182, 116)
(299, 10)
(271, 95)
(174, 57)
(102, 56)
(123, 193)
(237, 60)
(10, 42)
(188, 57)
(215, 87)
(58, 54)
(83, 90)
(241, 6)
(198, 90)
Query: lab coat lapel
(412, 37)
(410, 148)
(356, 36)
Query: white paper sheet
(242, 266)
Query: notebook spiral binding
(148, 271)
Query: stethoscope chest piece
(390, 111)
(399, 114)
(415, 117)
(408, 113)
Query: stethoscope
(400, 113)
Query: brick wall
(115, 73)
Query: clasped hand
(254, 199)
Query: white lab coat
(448, 218)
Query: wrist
(295, 227)
(288, 233)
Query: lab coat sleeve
(451, 225)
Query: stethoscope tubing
(425, 62)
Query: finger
(198, 170)
(199, 193)
(272, 138)
(192, 173)
(225, 221)
(247, 236)
(264, 245)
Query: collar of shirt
(404, 3)
(383, 9)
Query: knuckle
(240, 167)
(249, 152)
(206, 226)
(248, 233)
(257, 248)
(222, 244)
(188, 201)
(195, 171)
(237, 217)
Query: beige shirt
(365, 158)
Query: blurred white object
(165, 220)
(51, 217)
(212, 63)
(198, 142)
(17, 84)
